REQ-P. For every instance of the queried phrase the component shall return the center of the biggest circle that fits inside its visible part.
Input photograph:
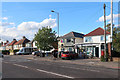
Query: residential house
(29, 44)
(94, 42)
(34, 44)
(10, 45)
(68, 41)
(21, 43)
(3, 45)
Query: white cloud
(35, 25)
(5, 18)
(118, 25)
(27, 29)
(108, 18)
(6, 23)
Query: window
(102, 38)
(88, 39)
(107, 38)
(68, 40)
(70, 49)
(62, 49)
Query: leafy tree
(45, 38)
(116, 37)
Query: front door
(97, 51)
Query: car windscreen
(65, 52)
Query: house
(21, 43)
(68, 41)
(34, 44)
(3, 45)
(94, 42)
(10, 45)
(29, 44)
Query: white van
(25, 50)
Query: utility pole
(111, 30)
(105, 33)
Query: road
(19, 67)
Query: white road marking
(46, 71)
(55, 73)
(20, 65)
(6, 62)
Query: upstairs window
(102, 38)
(88, 39)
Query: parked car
(25, 50)
(68, 55)
(37, 53)
(1, 55)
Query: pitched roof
(98, 31)
(22, 41)
(72, 35)
(12, 43)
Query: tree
(45, 38)
(116, 37)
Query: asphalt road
(19, 67)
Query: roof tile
(98, 31)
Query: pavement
(89, 62)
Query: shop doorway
(97, 51)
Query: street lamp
(58, 27)
(58, 20)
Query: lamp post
(57, 20)
(111, 30)
(58, 26)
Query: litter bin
(102, 52)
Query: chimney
(7, 41)
(1, 43)
(24, 37)
(14, 39)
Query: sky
(25, 18)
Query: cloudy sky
(25, 18)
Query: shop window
(68, 40)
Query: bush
(102, 59)
(115, 54)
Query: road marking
(20, 65)
(81, 69)
(46, 71)
(55, 73)
(6, 62)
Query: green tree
(45, 38)
(116, 37)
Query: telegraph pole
(105, 33)
(111, 30)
